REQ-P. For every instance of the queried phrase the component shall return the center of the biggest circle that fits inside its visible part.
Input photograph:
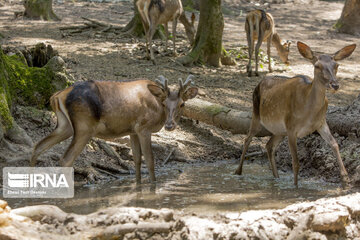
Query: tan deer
(261, 26)
(155, 12)
(296, 107)
(115, 109)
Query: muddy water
(204, 189)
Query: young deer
(261, 26)
(155, 12)
(296, 107)
(115, 109)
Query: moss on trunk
(26, 85)
(208, 41)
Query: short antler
(188, 81)
(163, 82)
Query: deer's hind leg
(271, 146)
(257, 47)
(62, 132)
(84, 126)
(250, 40)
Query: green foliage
(189, 5)
(216, 109)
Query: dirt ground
(98, 56)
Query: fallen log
(235, 121)
(344, 121)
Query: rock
(331, 221)
(328, 218)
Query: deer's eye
(182, 105)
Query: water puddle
(199, 188)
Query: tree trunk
(208, 41)
(343, 121)
(28, 86)
(40, 9)
(135, 27)
(349, 21)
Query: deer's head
(173, 101)
(284, 56)
(326, 65)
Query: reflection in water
(199, 188)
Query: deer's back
(283, 99)
(266, 23)
(170, 10)
(119, 108)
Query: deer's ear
(190, 93)
(192, 19)
(305, 51)
(157, 91)
(344, 52)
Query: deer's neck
(316, 97)
(276, 41)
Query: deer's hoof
(153, 61)
(249, 74)
(257, 74)
(270, 70)
(238, 171)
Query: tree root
(92, 25)
(168, 157)
(113, 154)
(109, 168)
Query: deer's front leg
(295, 160)
(174, 24)
(325, 133)
(145, 143)
(152, 30)
(167, 35)
(136, 151)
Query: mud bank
(327, 218)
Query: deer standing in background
(155, 12)
(261, 26)
(115, 109)
(296, 107)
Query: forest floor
(92, 55)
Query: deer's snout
(334, 85)
(170, 126)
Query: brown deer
(296, 107)
(261, 26)
(155, 12)
(115, 109)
